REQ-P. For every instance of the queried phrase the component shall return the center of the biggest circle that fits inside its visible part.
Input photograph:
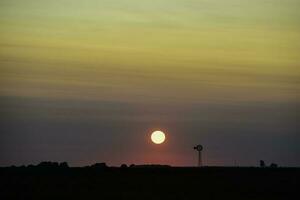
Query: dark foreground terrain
(149, 183)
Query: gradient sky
(87, 81)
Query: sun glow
(158, 137)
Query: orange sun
(158, 137)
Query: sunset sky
(87, 81)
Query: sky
(88, 81)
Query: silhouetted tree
(64, 165)
(262, 163)
(123, 166)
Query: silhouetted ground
(145, 183)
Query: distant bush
(273, 165)
(99, 165)
(49, 164)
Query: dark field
(150, 183)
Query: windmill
(199, 148)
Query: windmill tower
(199, 148)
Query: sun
(158, 137)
